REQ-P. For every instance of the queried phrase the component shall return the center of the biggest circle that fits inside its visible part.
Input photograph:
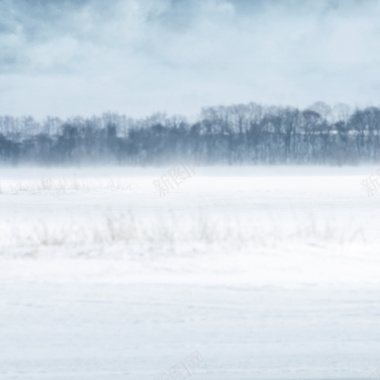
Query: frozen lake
(264, 273)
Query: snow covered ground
(256, 272)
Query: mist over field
(189, 189)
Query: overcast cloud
(140, 56)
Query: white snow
(267, 272)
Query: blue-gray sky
(67, 57)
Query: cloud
(141, 56)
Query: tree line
(226, 135)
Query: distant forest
(227, 135)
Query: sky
(137, 57)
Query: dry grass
(177, 234)
(62, 185)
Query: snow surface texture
(264, 272)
